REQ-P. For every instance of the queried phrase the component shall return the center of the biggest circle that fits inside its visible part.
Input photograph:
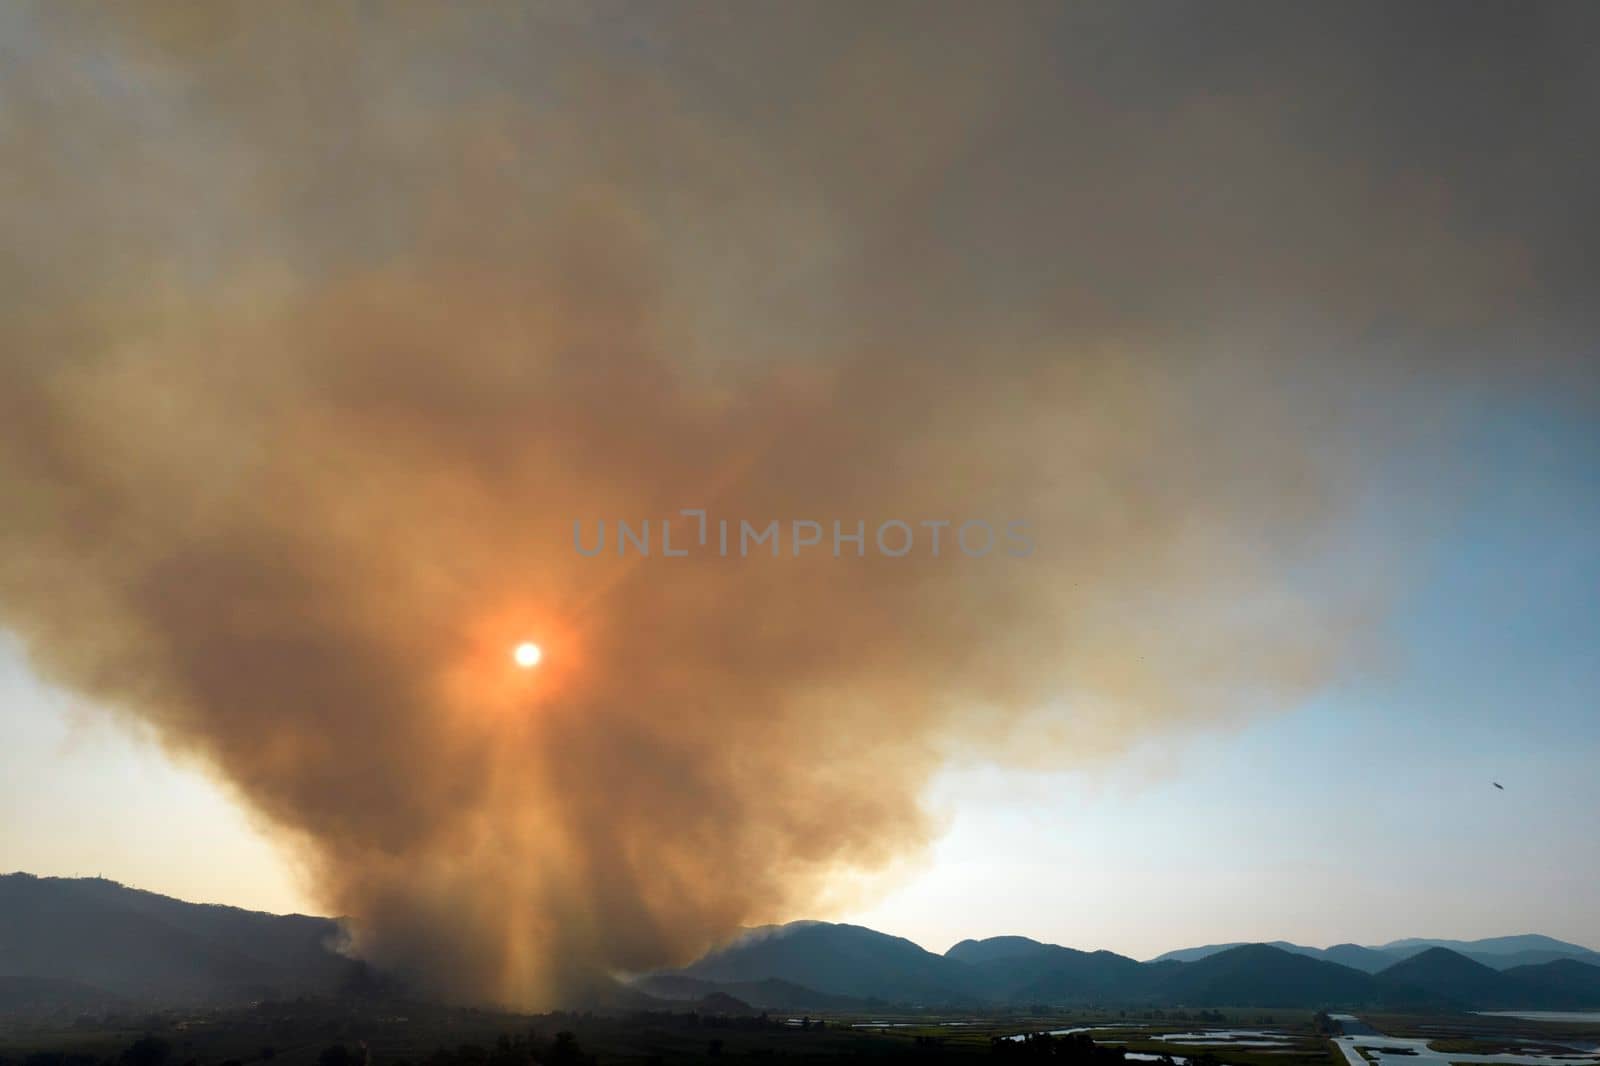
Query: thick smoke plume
(323, 324)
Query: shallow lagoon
(1545, 1015)
(1414, 1051)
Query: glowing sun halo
(527, 655)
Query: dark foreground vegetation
(341, 1033)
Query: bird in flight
(1498, 785)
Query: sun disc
(527, 655)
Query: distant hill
(1367, 960)
(860, 963)
(120, 942)
(722, 1003)
(848, 960)
(811, 963)
(1196, 954)
(806, 963)
(1533, 957)
(1261, 975)
(1563, 982)
(75, 945)
(1054, 974)
(995, 947)
(52, 995)
(1499, 953)
(1494, 945)
(1442, 975)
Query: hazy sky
(1366, 814)
(1276, 324)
